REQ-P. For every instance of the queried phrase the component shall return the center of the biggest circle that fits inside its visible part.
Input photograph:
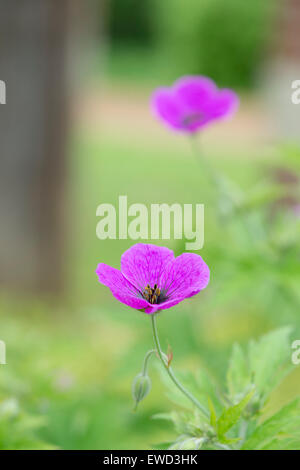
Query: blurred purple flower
(296, 210)
(285, 176)
(192, 103)
(152, 279)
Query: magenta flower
(192, 103)
(152, 279)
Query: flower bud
(140, 388)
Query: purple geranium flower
(192, 103)
(152, 279)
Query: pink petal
(185, 276)
(144, 264)
(163, 306)
(225, 104)
(166, 107)
(120, 287)
(195, 92)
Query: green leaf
(284, 425)
(177, 419)
(231, 415)
(188, 443)
(213, 416)
(267, 358)
(292, 443)
(200, 386)
(238, 375)
(264, 193)
(161, 445)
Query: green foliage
(72, 365)
(19, 430)
(240, 423)
(230, 416)
(130, 22)
(261, 241)
(265, 365)
(281, 431)
(224, 39)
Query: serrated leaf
(231, 415)
(208, 387)
(238, 375)
(267, 358)
(285, 423)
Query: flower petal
(195, 92)
(224, 105)
(144, 264)
(187, 275)
(163, 306)
(165, 106)
(120, 287)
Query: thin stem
(146, 360)
(203, 161)
(243, 432)
(217, 179)
(222, 446)
(222, 187)
(170, 371)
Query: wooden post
(284, 69)
(33, 131)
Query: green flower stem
(170, 371)
(203, 162)
(216, 179)
(223, 190)
(146, 360)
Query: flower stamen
(152, 295)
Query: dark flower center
(153, 295)
(193, 118)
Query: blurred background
(77, 131)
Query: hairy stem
(170, 371)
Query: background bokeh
(72, 349)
